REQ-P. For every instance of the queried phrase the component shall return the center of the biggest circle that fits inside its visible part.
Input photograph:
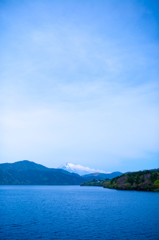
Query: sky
(79, 83)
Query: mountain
(30, 173)
(70, 167)
(102, 176)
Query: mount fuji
(79, 169)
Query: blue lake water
(74, 212)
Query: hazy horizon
(80, 83)
(80, 167)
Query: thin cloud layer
(80, 86)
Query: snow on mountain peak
(79, 169)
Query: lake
(74, 212)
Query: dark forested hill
(143, 181)
(30, 173)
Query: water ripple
(80, 213)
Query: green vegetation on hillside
(141, 181)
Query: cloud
(76, 85)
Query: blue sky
(79, 82)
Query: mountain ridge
(29, 173)
(25, 172)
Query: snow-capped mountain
(70, 167)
